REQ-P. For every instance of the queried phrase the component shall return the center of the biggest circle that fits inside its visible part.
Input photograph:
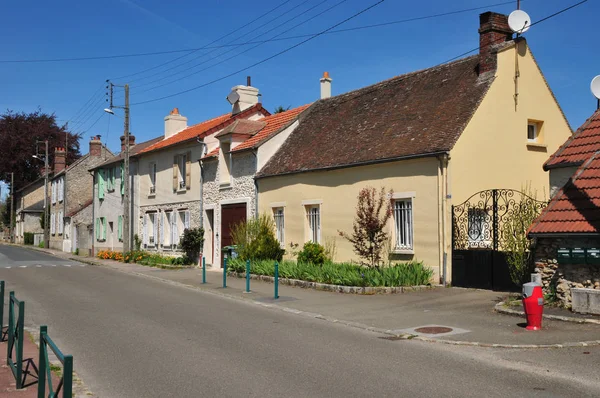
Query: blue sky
(565, 48)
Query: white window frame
(535, 131)
(53, 192)
(181, 163)
(313, 218)
(185, 222)
(279, 218)
(60, 223)
(174, 232)
(61, 189)
(403, 224)
(53, 224)
(152, 175)
(152, 229)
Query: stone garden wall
(564, 277)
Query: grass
(56, 369)
(344, 274)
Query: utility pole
(12, 207)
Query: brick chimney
(493, 30)
(59, 159)
(174, 123)
(96, 146)
(325, 86)
(131, 142)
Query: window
(182, 172)
(60, 223)
(61, 189)
(101, 229)
(532, 132)
(53, 224)
(151, 230)
(478, 227)
(110, 179)
(152, 174)
(313, 215)
(403, 223)
(53, 192)
(279, 224)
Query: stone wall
(564, 277)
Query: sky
(565, 47)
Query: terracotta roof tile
(134, 150)
(419, 113)
(576, 207)
(201, 129)
(580, 146)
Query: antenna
(595, 87)
(519, 21)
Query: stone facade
(240, 190)
(29, 205)
(80, 227)
(564, 277)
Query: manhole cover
(433, 330)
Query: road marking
(7, 267)
(39, 266)
(67, 265)
(22, 266)
(53, 265)
(82, 265)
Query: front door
(230, 216)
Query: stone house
(29, 208)
(70, 193)
(435, 137)
(567, 233)
(169, 173)
(109, 189)
(229, 193)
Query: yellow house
(436, 137)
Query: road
(136, 337)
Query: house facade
(108, 197)
(435, 137)
(29, 208)
(170, 178)
(71, 192)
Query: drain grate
(433, 330)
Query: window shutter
(114, 173)
(175, 173)
(59, 222)
(187, 219)
(162, 228)
(120, 228)
(145, 232)
(97, 229)
(174, 233)
(101, 184)
(104, 228)
(122, 180)
(155, 229)
(53, 192)
(188, 170)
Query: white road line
(22, 266)
(82, 265)
(39, 266)
(53, 265)
(67, 265)
(7, 267)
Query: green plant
(137, 242)
(372, 214)
(255, 239)
(192, 242)
(294, 249)
(41, 244)
(28, 238)
(76, 252)
(312, 253)
(330, 247)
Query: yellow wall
(492, 152)
(338, 191)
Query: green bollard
(247, 276)
(276, 281)
(203, 269)
(225, 273)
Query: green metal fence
(45, 375)
(15, 338)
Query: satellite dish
(233, 97)
(595, 86)
(519, 21)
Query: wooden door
(231, 215)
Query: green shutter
(104, 228)
(97, 229)
(122, 180)
(120, 228)
(101, 184)
(114, 172)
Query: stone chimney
(242, 98)
(59, 159)
(96, 146)
(131, 141)
(493, 30)
(174, 123)
(325, 86)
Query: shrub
(255, 239)
(137, 242)
(312, 253)
(192, 242)
(76, 252)
(41, 244)
(28, 238)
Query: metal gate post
(495, 232)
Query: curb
(366, 290)
(502, 309)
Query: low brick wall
(564, 277)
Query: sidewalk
(468, 312)
(8, 383)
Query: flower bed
(145, 258)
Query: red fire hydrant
(533, 304)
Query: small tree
(516, 243)
(255, 239)
(372, 214)
(281, 109)
(192, 242)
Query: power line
(74, 117)
(243, 52)
(265, 59)
(209, 46)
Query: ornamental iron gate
(479, 241)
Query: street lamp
(46, 213)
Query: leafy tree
(280, 109)
(18, 135)
(372, 214)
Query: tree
(18, 135)
(280, 109)
(372, 214)
(517, 245)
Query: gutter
(366, 163)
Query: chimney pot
(325, 85)
(493, 30)
(131, 141)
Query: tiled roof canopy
(416, 114)
(576, 207)
(582, 144)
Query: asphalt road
(136, 337)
